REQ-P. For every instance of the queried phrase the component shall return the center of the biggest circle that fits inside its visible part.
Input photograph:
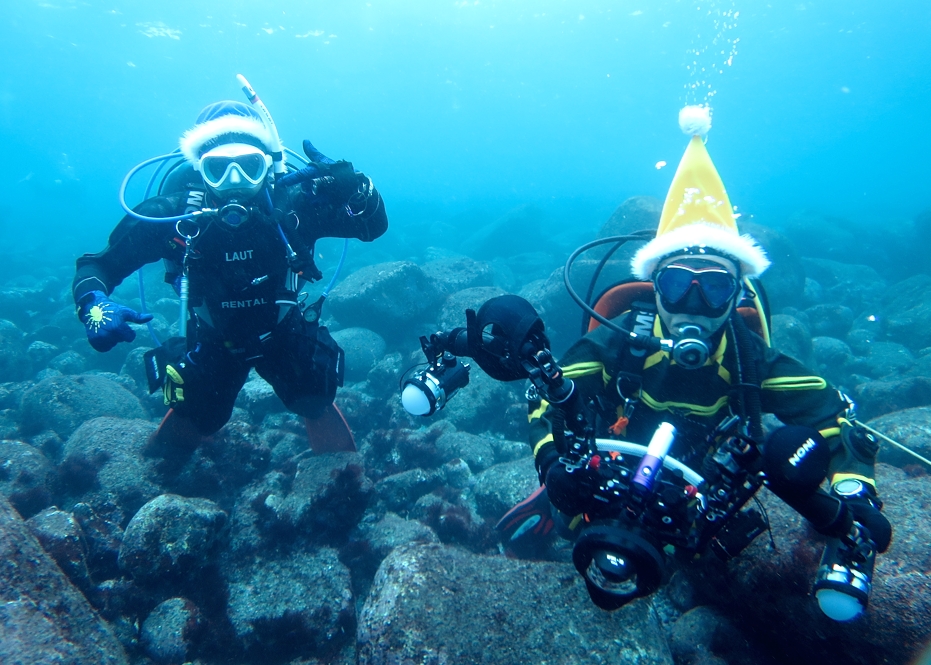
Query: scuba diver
(236, 232)
(712, 380)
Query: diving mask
(706, 290)
(235, 169)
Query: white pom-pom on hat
(695, 120)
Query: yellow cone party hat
(697, 213)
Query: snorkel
(312, 311)
(278, 162)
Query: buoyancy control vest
(696, 398)
(241, 282)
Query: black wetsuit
(242, 295)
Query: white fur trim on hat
(197, 137)
(742, 248)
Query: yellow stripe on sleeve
(542, 442)
(582, 369)
(536, 413)
(794, 383)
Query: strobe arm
(506, 338)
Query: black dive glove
(330, 181)
(573, 492)
(861, 500)
(341, 185)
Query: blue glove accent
(310, 171)
(107, 322)
(315, 155)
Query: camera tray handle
(628, 448)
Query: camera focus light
(415, 400)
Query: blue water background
(463, 110)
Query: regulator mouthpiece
(690, 351)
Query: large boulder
(25, 477)
(23, 304)
(560, 313)
(455, 273)
(501, 487)
(43, 618)
(15, 358)
(62, 403)
(171, 631)
(222, 463)
(326, 498)
(103, 463)
(258, 398)
(858, 287)
(374, 539)
(486, 405)
(172, 537)
(875, 398)
(475, 450)
(496, 238)
(363, 348)
(886, 359)
(832, 358)
(792, 337)
(61, 536)
(399, 491)
(293, 606)
(907, 312)
(784, 280)
(385, 297)
(831, 320)
(638, 213)
(515, 611)
(911, 428)
(452, 313)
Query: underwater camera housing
(650, 501)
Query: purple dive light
(652, 461)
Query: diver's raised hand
(107, 322)
(306, 175)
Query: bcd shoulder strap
(641, 320)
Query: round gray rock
(298, 606)
(451, 274)
(170, 631)
(25, 474)
(103, 462)
(171, 537)
(62, 403)
(15, 363)
(452, 313)
(502, 486)
(363, 348)
(435, 604)
(388, 294)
